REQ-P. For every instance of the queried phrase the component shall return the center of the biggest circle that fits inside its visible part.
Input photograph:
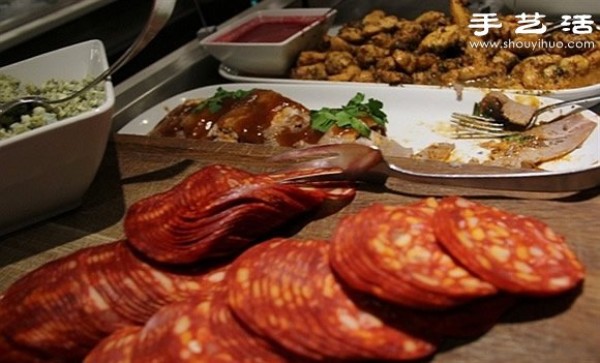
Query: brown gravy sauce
(248, 118)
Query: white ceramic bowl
(268, 57)
(47, 170)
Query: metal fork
(473, 126)
(356, 162)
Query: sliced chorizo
(285, 290)
(116, 348)
(218, 210)
(64, 308)
(516, 253)
(392, 252)
(200, 331)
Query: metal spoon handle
(160, 14)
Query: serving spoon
(11, 111)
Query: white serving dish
(268, 58)
(47, 170)
(417, 117)
(235, 75)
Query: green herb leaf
(350, 115)
(215, 102)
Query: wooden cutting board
(562, 329)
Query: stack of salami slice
(218, 211)
(178, 246)
(386, 288)
(391, 285)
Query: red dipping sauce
(268, 29)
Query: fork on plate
(474, 126)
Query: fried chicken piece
(425, 61)
(506, 58)
(383, 24)
(338, 44)
(537, 72)
(310, 72)
(351, 34)
(459, 12)
(366, 76)
(392, 77)
(383, 40)
(374, 17)
(408, 35)
(405, 61)
(386, 63)
(431, 20)
(441, 40)
(478, 71)
(426, 77)
(368, 54)
(309, 57)
(336, 62)
(346, 75)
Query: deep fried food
(436, 49)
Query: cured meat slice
(276, 302)
(284, 290)
(392, 253)
(42, 312)
(518, 254)
(10, 353)
(116, 348)
(64, 308)
(217, 211)
(237, 339)
(200, 331)
(175, 333)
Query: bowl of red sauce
(267, 42)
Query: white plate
(417, 116)
(567, 94)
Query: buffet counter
(558, 329)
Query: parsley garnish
(349, 116)
(215, 102)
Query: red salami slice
(200, 331)
(116, 348)
(10, 353)
(516, 253)
(285, 291)
(45, 314)
(392, 253)
(218, 211)
(66, 307)
(175, 333)
(238, 340)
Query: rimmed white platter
(418, 117)
(234, 75)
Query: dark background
(117, 25)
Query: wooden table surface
(562, 329)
